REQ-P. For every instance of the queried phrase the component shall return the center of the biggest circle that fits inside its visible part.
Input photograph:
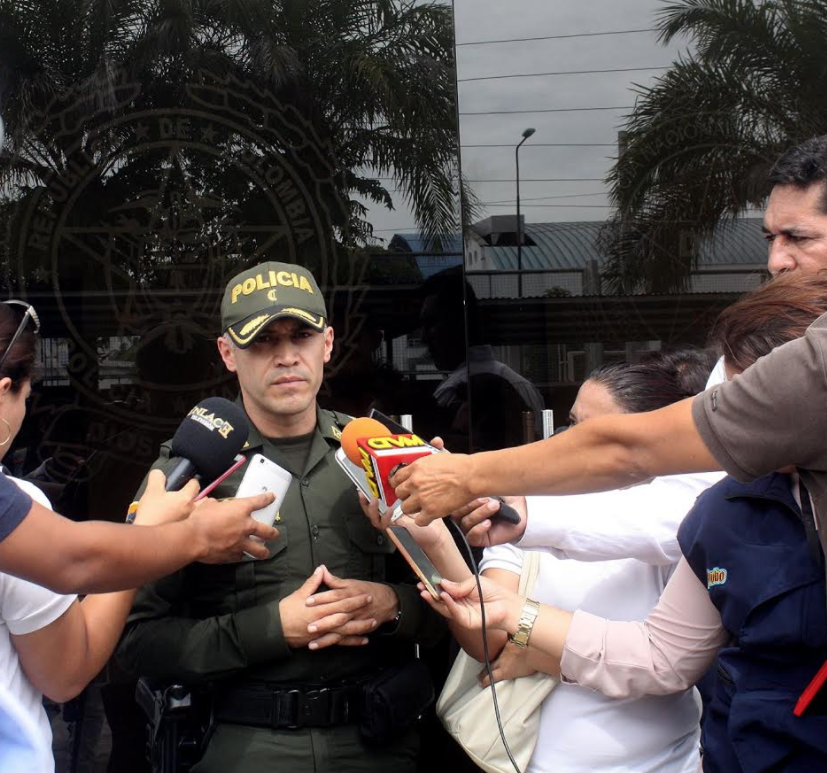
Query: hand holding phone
(399, 535)
(263, 475)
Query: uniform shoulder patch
(336, 422)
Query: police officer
(292, 643)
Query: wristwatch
(524, 627)
(391, 625)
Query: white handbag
(467, 710)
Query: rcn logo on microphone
(212, 422)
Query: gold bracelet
(527, 617)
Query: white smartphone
(263, 476)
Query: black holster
(393, 700)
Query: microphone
(506, 512)
(358, 455)
(207, 441)
(368, 444)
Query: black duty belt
(291, 708)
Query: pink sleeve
(666, 653)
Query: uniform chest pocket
(275, 567)
(369, 548)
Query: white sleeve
(26, 607)
(718, 375)
(640, 522)
(33, 491)
(505, 557)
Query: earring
(8, 428)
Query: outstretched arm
(666, 653)
(597, 455)
(95, 556)
(63, 656)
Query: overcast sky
(485, 20)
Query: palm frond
(700, 141)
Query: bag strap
(529, 572)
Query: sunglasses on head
(28, 314)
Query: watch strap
(526, 623)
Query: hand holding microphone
(158, 505)
(481, 526)
(505, 513)
(379, 452)
(222, 531)
(205, 447)
(435, 487)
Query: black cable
(556, 37)
(524, 179)
(539, 180)
(544, 198)
(551, 206)
(549, 110)
(486, 655)
(562, 72)
(547, 145)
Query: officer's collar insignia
(246, 445)
(716, 576)
(337, 433)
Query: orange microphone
(357, 430)
(380, 453)
(371, 455)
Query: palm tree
(699, 143)
(373, 79)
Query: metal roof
(429, 262)
(572, 245)
(738, 241)
(414, 242)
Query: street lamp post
(526, 134)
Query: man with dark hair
(795, 221)
(294, 644)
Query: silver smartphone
(399, 535)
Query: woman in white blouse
(668, 651)
(52, 644)
(612, 554)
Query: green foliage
(373, 78)
(700, 142)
